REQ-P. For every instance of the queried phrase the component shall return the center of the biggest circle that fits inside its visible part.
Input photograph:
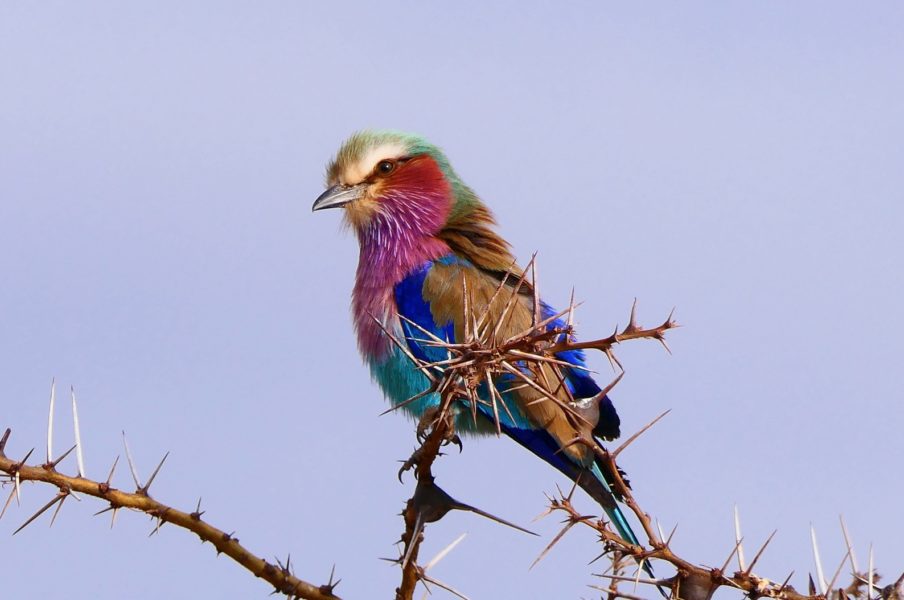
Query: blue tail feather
(617, 517)
(615, 514)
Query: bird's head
(387, 175)
(398, 188)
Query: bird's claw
(430, 420)
(412, 461)
(454, 439)
(426, 423)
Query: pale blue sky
(741, 161)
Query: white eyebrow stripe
(356, 172)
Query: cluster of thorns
(482, 360)
(477, 363)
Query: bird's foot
(412, 461)
(429, 419)
(434, 418)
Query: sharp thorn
(742, 566)
(760, 552)
(59, 459)
(112, 469)
(785, 582)
(664, 344)
(442, 553)
(131, 462)
(50, 421)
(485, 514)
(869, 573)
(820, 575)
(156, 529)
(642, 560)
(554, 541)
(198, 512)
(831, 585)
(671, 535)
(659, 529)
(4, 439)
(643, 430)
(58, 498)
(536, 293)
(27, 456)
(147, 486)
(78, 436)
(9, 499)
(850, 546)
(57, 510)
(414, 541)
(730, 556)
(623, 578)
(569, 322)
(426, 578)
(631, 327)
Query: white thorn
(78, 436)
(639, 570)
(50, 420)
(820, 575)
(130, 461)
(442, 553)
(536, 298)
(850, 546)
(570, 320)
(742, 566)
(869, 575)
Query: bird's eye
(385, 167)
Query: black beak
(339, 195)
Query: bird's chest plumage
(388, 256)
(389, 341)
(375, 316)
(376, 319)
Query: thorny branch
(279, 575)
(484, 356)
(528, 359)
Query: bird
(425, 237)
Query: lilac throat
(399, 238)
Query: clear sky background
(743, 162)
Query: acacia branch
(279, 576)
(429, 503)
(528, 357)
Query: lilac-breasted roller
(423, 235)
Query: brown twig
(282, 580)
(691, 581)
(531, 357)
(481, 357)
(419, 506)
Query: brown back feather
(470, 234)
